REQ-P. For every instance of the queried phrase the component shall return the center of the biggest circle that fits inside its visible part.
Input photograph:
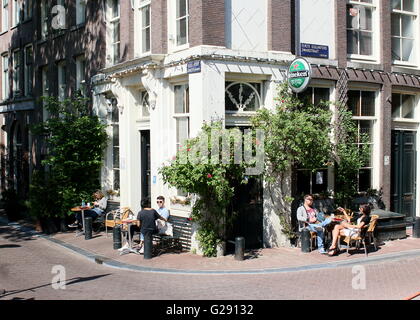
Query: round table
(80, 208)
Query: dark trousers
(88, 213)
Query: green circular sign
(299, 74)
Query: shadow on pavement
(68, 282)
(14, 235)
(3, 246)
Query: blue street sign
(194, 66)
(314, 50)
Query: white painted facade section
(317, 23)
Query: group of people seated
(150, 221)
(315, 221)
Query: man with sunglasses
(310, 218)
(161, 207)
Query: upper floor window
(44, 18)
(115, 119)
(5, 15)
(361, 27)
(27, 9)
(403, 106)
(404, 22)
(242, 96)
(182, 113)
(17, 12)
(28, 65)
(145, 105)
(5, 76)
(113, 31)
(45, 90)
(62, 80)
(80, 75)
(179, 20)
(16, 72)
(143, 33)
(80, 11)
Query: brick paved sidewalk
(263, 259)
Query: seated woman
(348, 230)
(99, 206)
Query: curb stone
(105, 261)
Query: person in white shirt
(99, 206)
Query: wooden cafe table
(80, 208)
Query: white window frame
(5, 76)
(251, 84)
(375, 32)
(62, 80)
(415, 38)
(139, 31)
(375, 139)
(415, 119)
(81, 74)
(17, 13)
(80, 11)
(16, 66)
(111, 25)
(5, 15)
(29, 71)
(181, 115)
(44, 19)
(172, 23)
(144, 107)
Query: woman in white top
(348, 230)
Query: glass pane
(145, 16)
(115, 114)
(352, 17)
(116, 157)
(115, 8)
(352, 42)
(179, 99)
(366, 19)
(395, 24)
(366, 128)
(145, 104)
(365, 179)
(182, 130)
(407, 107)
(116, 52)
(116, 35)
(408, 5)
(396, 48)
(116, 179)
(408, 50)
(146, 40)
(366, 43)
(407, 26)
(396, 4)
(396, 105)
(303, 182)
(368, 103)
(115, 135)
(354, 102)
(321, 94)
(181, 8)
(181, 31)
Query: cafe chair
(114, 217)
(313, 238)
(365, 236)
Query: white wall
(317, 23)
(246, 25)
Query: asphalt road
(35, 268)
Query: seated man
(99, 206)
(164, 212)
(312, 220)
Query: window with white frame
(145, 105)
(182, 113)
(27, 9)
(242, 96)
(62, 80)
(403, 106)
(80, 11)
(360, 27)
(80, 75)
(178, 16)
(5, 76)
(404, 24)
(16, 72)
(142, 32)
(362, 105)
(44, 18)
(115, 118)
(315, 95)
(113, 31)
(28, 65)
(17, 12)
(5, 15)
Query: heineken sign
(299, 74)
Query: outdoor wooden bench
(179, 241)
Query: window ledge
(3, 32)
(405, 120)
(405, 65)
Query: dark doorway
(403, 179)
(145, 163)
(248, 223)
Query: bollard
(88, 228)
(416, 228)
(117, 237)
(306, 240)
(239, 248)
(148, 246)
